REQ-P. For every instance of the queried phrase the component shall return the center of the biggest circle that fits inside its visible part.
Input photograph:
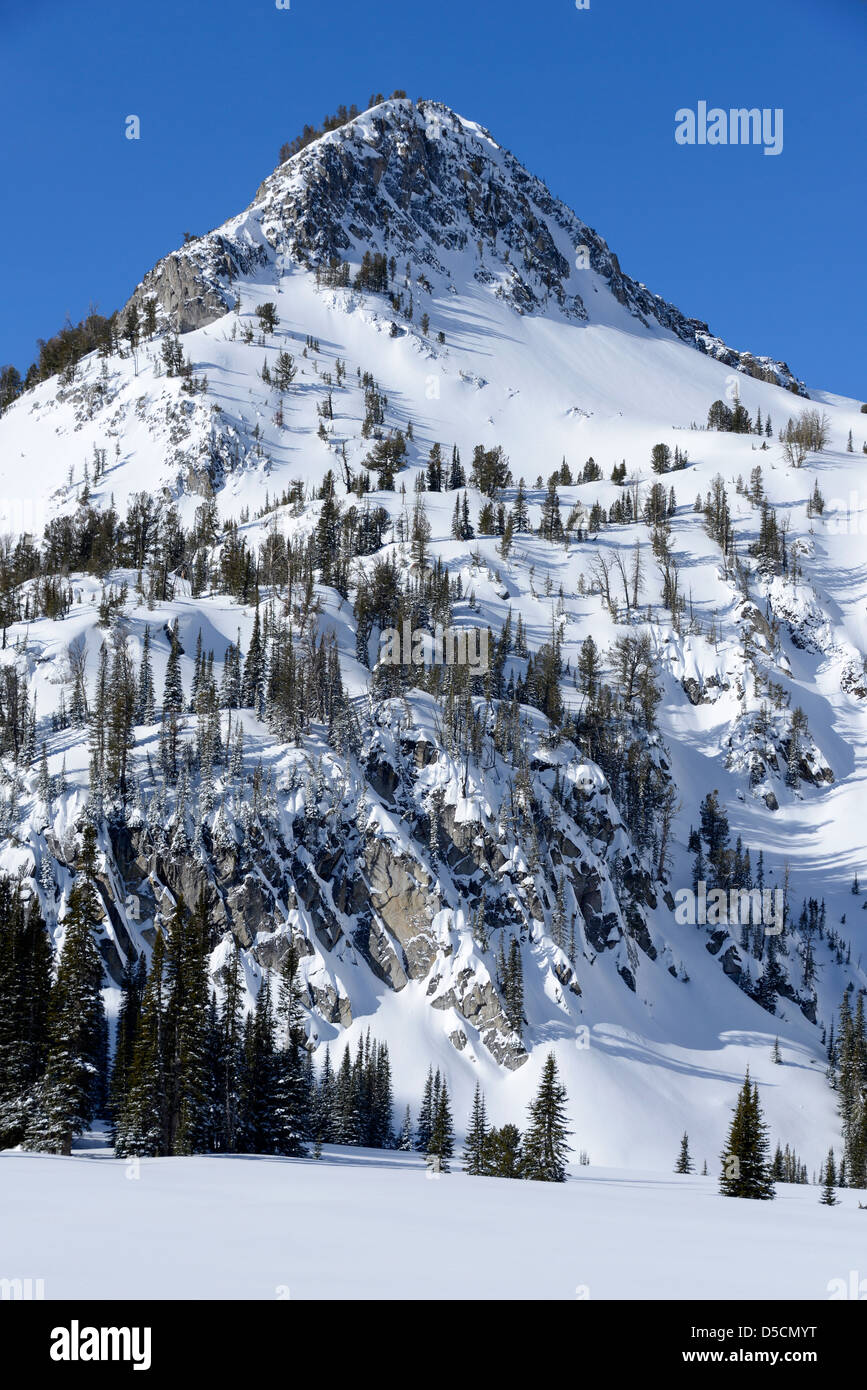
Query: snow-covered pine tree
(173, 690)
(404, 1140)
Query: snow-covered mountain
(476, 864)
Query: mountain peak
(417, 182)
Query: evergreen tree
(503, 1154)
(435, 469)
(457, 476)
(173, 690)
(684, 1161)
(404, 1142)
(545, 1143)
(442, 1135)
(477, 1136)
(144, 712)
(829, 1196)
(424, 1124)
(323, 1112)
(253, 668)
(746, 1167)
(25, 987)
(291, 1101)
(261, 1075)
(70, 1088)
(347, 1120)
(512, 985)
(143, 1123)
(231, 1056)
(520, 513)
(186, 1029)
(133, 983)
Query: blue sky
(769, 250)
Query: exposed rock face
(192, 286)
(187, 300)
(702, 692)
(478, 1002)
(403, 903)
(355, 894)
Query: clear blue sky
(769, 250)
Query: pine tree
(503, 1153)
(404, 1142)
(477, 1136)
(380, 1133)
(173, 690)
(25, 988)
(145, 699)
(442, 1130)
(143, 1123)
(546, 1138)
(457, 476)
(70, 1088)
(323, 1111)
(261, 1074)
(253, 668)
(133, 983)
(291, 1100)
(119, 715)
(347, 1121)
(684, 1161)
(424, 1125)
(43, 787)
(230, 1055)
(746, 1167)
(186, 1028)
(829, 1197)
(512, 983)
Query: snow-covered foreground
(368, 1224)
